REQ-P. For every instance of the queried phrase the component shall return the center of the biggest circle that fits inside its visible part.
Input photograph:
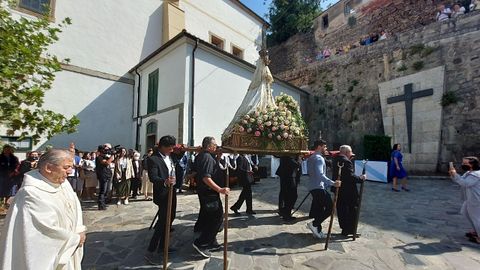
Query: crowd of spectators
(447, 10)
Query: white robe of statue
(41, 228)
(470, 183)
(259, 94)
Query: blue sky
(261, 9)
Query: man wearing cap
(347, 203)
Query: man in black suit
(287, 171)
(347, 203)
(161, 172)
(245, 178)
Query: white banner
(375, 170)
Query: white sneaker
(314, 230)
(119, 202)
(126, 201)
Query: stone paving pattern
(421, 229)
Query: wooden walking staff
(168, 221)
(360, 195)
(225, 219)
(337, 189)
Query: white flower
(268, 123)
(285, 135)
(279, 137)
(245, 121)
(249, 130)
(252, 120)
(247, 116)
(259, 121)
(287, 122)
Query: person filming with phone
(470, 183)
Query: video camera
(107, 151)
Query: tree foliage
(289, 17)
(27, 70)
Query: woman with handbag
(245, 177)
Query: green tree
(289, 17)
(27, 70)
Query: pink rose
(257, 133)
(274, 128)
(261, 127)
(241, 129)
(257, 113)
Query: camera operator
(104, 172)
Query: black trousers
(246, 196)
(346, 212)
(211, 218)
(135, 185)
(102, 182)
(200, 224)
(288, 196)
(158, 239)
(321, 207)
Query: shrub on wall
(377, 147)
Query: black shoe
(289, 218)
(215, 246)
(251, 212)
(202, 250)
(406, 189)
(101, 208)
(235, 210)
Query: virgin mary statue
(259, 94)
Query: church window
(237, 51)
(347, 8)
(36, 7)
(217, 42)
(325, 21)
(151, 134)
(152, 92)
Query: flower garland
(279, 124)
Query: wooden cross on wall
(408, 98)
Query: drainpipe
(192, 80)
(138, 118)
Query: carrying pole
(225, 222)
(360, 195)
(337, 190)
(167, 226)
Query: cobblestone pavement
(421, 229)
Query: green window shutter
(152, 92)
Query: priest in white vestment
(44, 228)
(470, 183)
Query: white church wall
(220, 86)
(225, 20)
(171, 73)
(103, 106)
(109, 36)
(171, 89)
